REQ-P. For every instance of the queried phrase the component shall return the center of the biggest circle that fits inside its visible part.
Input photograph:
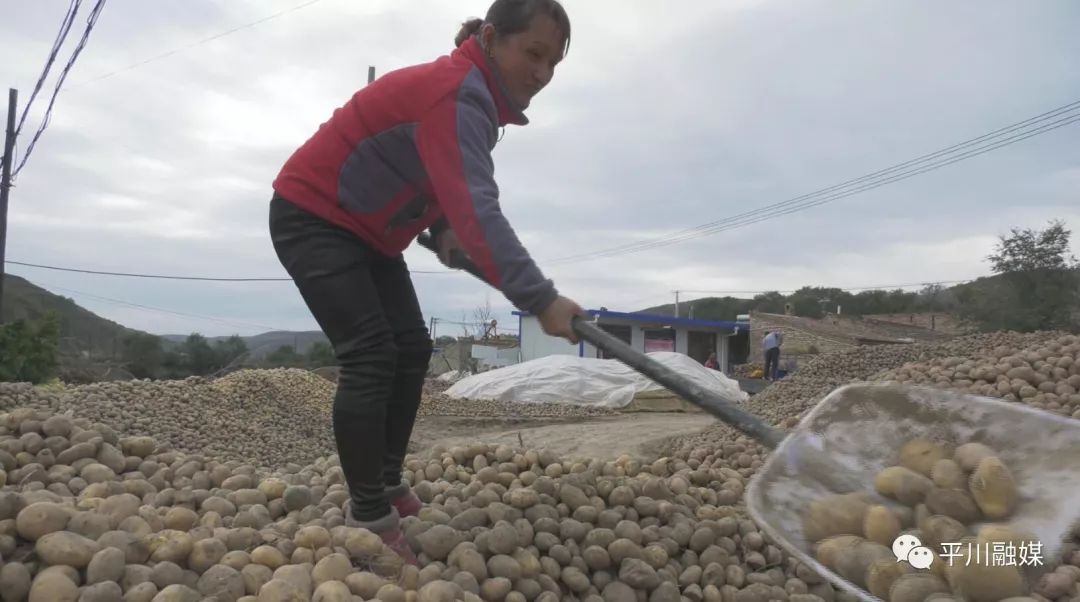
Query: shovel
(857, 430)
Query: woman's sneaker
(404, 500)
(388, 528)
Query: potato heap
(268, 417)
(87, 514)
(265, 417)
(942, 494)
(785, 401)
(1044, 375)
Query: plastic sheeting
(585, 381)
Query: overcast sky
(663, 116)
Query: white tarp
(452, 376)
(585, 381)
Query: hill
(261, 345)
(82, 332)
(92, 347)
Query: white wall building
(643, 332)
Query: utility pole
(5, 184)
(676, 304)
(370, 73)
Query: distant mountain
(88, 336)
(82, 332)
(261, 345)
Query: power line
(197, 43)
(1017, 132)
(90, 22)
(61, 36)
(173, 277)
(168, 311)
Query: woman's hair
(514, 16)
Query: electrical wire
(90, 22)
(169, 311)
(196, 43)
(173, 277)
(61, 36)
(1069, 113)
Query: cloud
(663, 117)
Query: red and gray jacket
(412, 150)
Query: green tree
(1037, 286)
(769, 303)
(143, 354)
(321, 354)
(284, 356)
(229, 350)
(1032, 250)
(199, 356)
(28, 349)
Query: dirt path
(639, 435)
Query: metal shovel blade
(861, 427)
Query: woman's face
(526, 60)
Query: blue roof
(666, 320)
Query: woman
(409, 152)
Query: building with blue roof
(645, 333)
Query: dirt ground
(641, 435)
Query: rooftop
(656, 319)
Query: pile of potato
(268, 417)
(976, 363)
(1045, 375)
(89, 514)
(940, 494)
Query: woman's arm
(455, 142)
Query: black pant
(772, 362)
(366, 305)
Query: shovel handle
(704, 398)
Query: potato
(881, 525)
(826, 550)
(332, 591)
(1002, 533)
(982, 581)
(916, 587)
(66, 548)
(883, 573)
(205, 553)
(835, 515)
(939, 529)
(947, 473)
(969, 455)
(993, 488)
(54, 587)
(853, 563)
(954, 503)
(903, 485)
(41, 518)
(920, 455)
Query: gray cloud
(661, 118)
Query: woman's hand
(555, 319)
(448, 244)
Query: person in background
(711, 362)
(409, 152)
(771, 346)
